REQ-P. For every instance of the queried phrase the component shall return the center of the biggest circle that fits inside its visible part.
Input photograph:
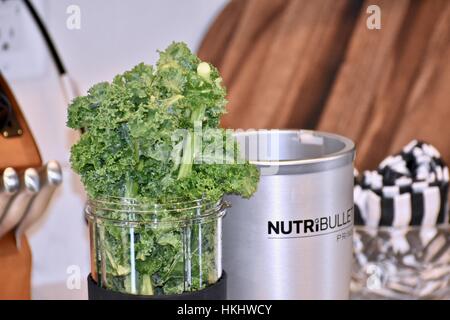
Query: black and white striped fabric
(408, 189)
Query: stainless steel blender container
(293, 238)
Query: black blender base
(217, 291)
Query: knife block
(15, 269)
(19, 152)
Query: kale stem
(189, 147)
(187, 158)
(147, 286)
(130, 192)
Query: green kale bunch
(153, 135)
(139, 138)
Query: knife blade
(30, 186)
(9, 185)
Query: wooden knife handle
(15, 269)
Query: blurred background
(328, 65)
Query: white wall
(114, 36)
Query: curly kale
(129, 146)
(140, 140)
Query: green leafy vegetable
(128, 147)
(153, 134)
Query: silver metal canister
(293, 238)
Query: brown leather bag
(18, 149)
